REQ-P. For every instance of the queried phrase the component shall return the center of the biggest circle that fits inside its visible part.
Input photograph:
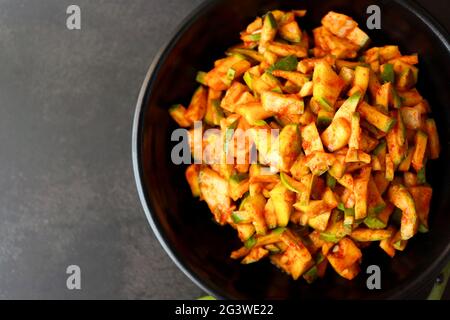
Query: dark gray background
(67, 192)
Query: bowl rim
(432, 271)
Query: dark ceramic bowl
(184, 226)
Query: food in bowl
(311, 153)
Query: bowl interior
(185, 225)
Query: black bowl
(184, 226)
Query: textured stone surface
(67, 192)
